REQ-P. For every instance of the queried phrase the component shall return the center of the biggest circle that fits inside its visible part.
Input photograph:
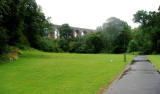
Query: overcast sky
(93, 13)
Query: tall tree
(24, 22)
(66, 32)
(149, 28)
(112, 33)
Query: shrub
(62, 45)
(11, 54)
(47, 45)
(75, 47)
(132, 46)
(93, 43)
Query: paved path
(141, 78)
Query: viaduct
(77, 31)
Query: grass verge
(155, 60)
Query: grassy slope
(155, 59)
(59, 73)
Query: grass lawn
(59, 73)
(155, 59)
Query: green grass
(155, 59)
(59, 73)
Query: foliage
(148, 36)
(115, 33)
(22, 22)
(62, 44)
(47, 45)
(66, 32)
(3, 40)
(24, 25)
(74, 47)
(90, 43)
(132, 46)
(93, 43)
(11, 53)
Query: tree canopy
(148, 33)
(22, 23)
(115, 33)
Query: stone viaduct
(77, 31)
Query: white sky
(93, 13)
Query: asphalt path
(141, 77)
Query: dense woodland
(23, 25)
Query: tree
(66, 32)
(122, 40)
(24, 22)
(141, 17)
(112, 34)
(149, 30)
(132, 46)
(93, 43)
(3, 40)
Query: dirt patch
(13, 54)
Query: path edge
(115, 79)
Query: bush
(74, 47)
(11, 54)
(132, 46)
(62, 45)
(93, 43)
(47, 45)
(147, 47)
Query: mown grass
(59, 73)
(155, 59)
